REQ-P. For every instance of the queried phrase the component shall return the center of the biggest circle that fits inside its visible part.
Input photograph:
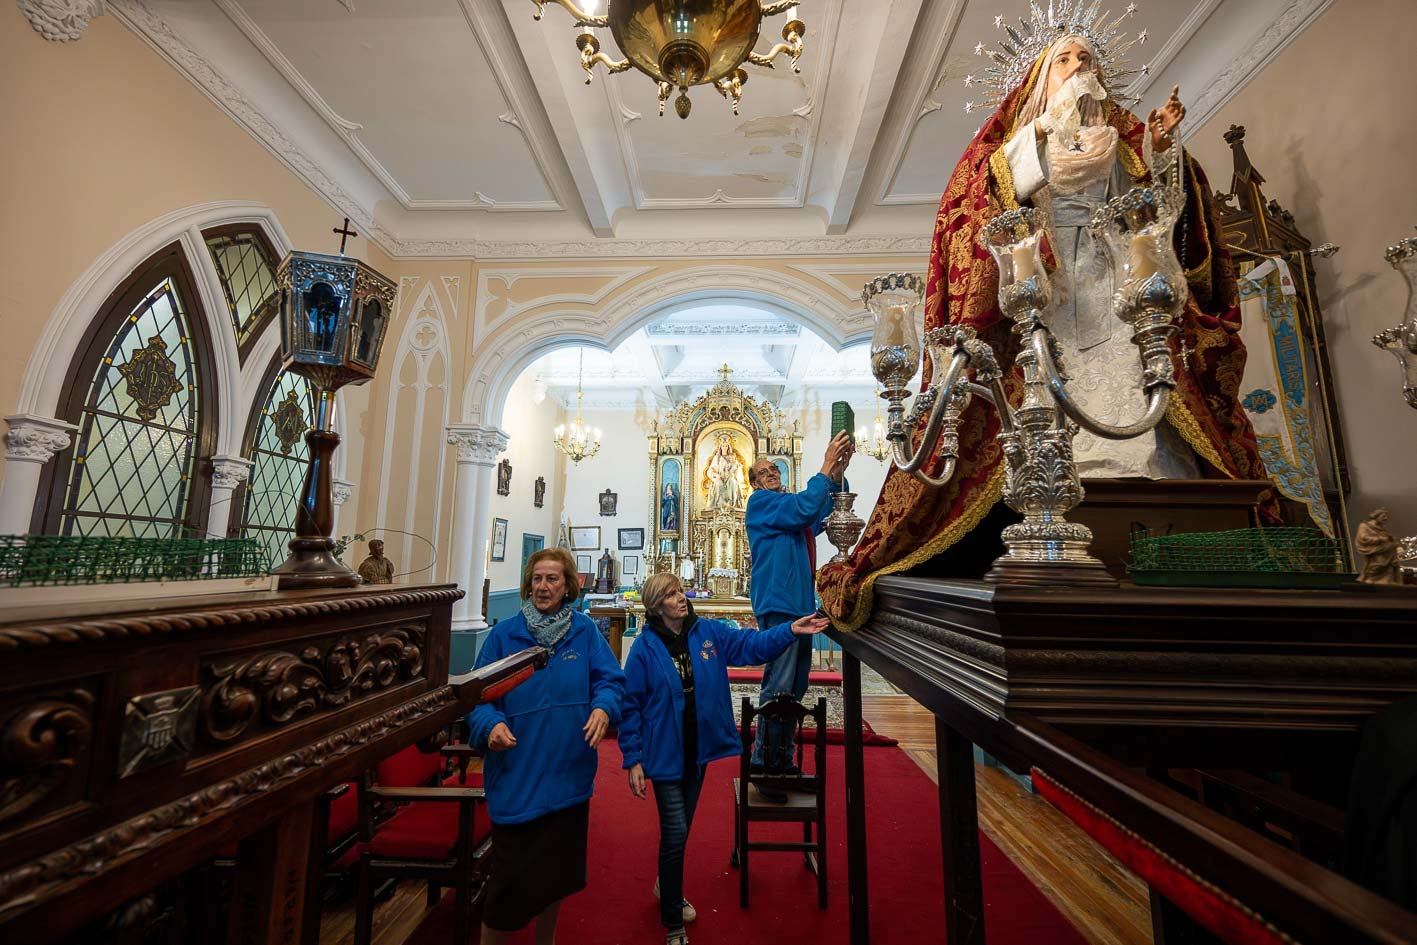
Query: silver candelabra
(1401, 339)
(1041, 480)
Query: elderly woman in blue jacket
(678, 716)
(542, 736)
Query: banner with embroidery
(1275, 389)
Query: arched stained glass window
(279, 458)
(247, 267)
(137, 398)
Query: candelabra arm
(900, 444)
(581, 17)
(1156, 398)
(791, 44)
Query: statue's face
(1071, 59)
(376, 548)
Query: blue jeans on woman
(774, 745)
(676, 801)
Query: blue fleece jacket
(652, 727)
(783, 581)
(551, 767)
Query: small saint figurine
(376, 569)
(605, 574)
(1380, 549)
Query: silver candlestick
(1041, 481)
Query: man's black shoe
(755, 769)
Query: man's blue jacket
(551, 767)
(652, 721)
(783, 581)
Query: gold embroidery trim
(1185, 424)
(1004, 175)
(991, 492)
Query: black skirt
(535, 864)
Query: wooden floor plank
(1097, 894)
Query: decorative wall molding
(913, 244)
(1257, 54)
(477, 445)
(271, 689)
(60, 21)
(35, 439)
(613, 278)
(423, 344)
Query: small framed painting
(585, 536)
(584, 564)
(499, 539)
(630, 539)
(630, 565)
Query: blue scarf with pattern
(548, 629)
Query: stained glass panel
(135, 450)
(247, 277)
(278, 473)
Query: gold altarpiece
(699, 455)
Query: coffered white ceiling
(463, 127)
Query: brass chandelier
(578, 442)
(682, 43)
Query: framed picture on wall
(584, 564)
(630, 539)
(499, 539)
(629, 565)
(585, 536)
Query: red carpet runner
(618, 906)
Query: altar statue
(1059, 141)
(669, 508)
(725, 477)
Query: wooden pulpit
(139, 738)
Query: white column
(478, 448)
(30, 443)
(340, 491)
(228, 472)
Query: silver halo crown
(1016, 54)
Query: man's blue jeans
(774, 745)
(676, 801)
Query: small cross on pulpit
(346, 234)
(1186, 353)
(725, 371)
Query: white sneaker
(690, 913)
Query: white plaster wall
(528, 425)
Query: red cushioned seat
(418, 831)
(474, 779)
(410, 768)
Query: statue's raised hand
(1163, 121)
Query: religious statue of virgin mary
(1060, 141)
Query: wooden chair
(806, 795)
(432, 833)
